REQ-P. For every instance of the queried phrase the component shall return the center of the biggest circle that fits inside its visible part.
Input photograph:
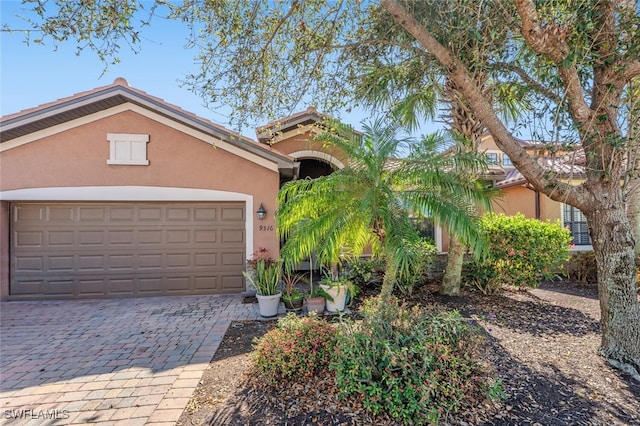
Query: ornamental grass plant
(265, 273)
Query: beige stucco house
(115, 193)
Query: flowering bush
(265, 273)
(521, 252)
(297, 348)
(415, 366)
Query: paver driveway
(125, 361)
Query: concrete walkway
(125, 361)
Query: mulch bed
(542, 343)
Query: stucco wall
(78, 157)
(514, 200)
(4, 249)
(551, 210)
(522, 200)
(301, 141)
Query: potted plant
(336, 287)
(264, 277)
(316, 299)
(293, 298)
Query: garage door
(102, 250)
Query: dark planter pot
(293, 304)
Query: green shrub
(297, 348)
(367, 272)
(370, 272)
(418, 270)
(480, 276)
(581, 267)
(415, 366)
(521, 252)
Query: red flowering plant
(265, 273)
(297, 349)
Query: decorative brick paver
(126, 361)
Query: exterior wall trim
(298, 155)
(438, 238)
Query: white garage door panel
(126, 249)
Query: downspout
(536, 200)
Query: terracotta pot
(268, 305)
(315, 304)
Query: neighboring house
(116, 193)
(520, 197)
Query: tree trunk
(453, 272)
(633, 212)
(388, 282)
(612, 238)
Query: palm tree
(368, 202)
(467, 130)
(420, 100)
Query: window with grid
(577, 224)
(492, 158)
(506, 161)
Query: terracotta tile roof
(269, 131)
(566, 166)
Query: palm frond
(368, 202)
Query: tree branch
(631, 71)
(528, 80)
(294, 5)
(543, 40)
(550, 42)
(540, 178)
(381, 42)
(604, 38)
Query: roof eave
(75, 107)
